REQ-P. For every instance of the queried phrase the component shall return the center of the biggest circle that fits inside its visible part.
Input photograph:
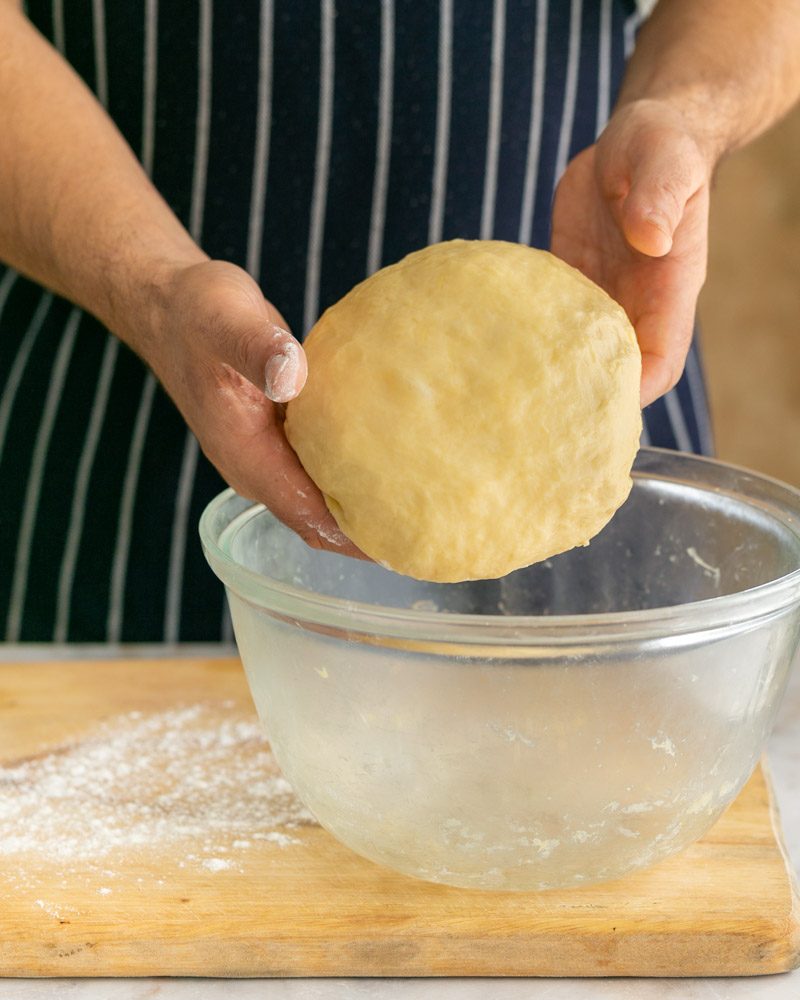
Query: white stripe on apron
(78, 509)
(177, 551)
(203, 121)
(8, 282)
(320, 195)
(604, 67)
(34, 486)
(677, 421)
(150, 70)
(125, 522)
(383, 140)
(444, 97)
(630, 27)
(535, 131)
(495, 118)
(58, 26)
(570, 89)
(694, 379)
(100, 61)
(20, 361)
(261, 153)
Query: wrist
(682, 117)
(139, 304)
(709, 120)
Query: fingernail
(659, 220)
(661, 244)
(280, 375)
(278, 332)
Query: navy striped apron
(310, 143)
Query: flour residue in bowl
(712, 571)
(193, 787)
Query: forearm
(77, 212)
(730, 67)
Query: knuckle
(247, 350)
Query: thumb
(258, 345)
(661, 183)
(286, 369)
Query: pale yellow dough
(469, 410)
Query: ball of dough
(470, 410)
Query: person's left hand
(631, 213)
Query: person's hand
(631, 213)
(225, 356)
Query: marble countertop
(784, 756)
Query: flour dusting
(185, 785)
(713, 571)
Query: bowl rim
(348, 617)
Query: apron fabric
(310, 143)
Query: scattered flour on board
(188, 784)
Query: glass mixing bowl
(574, 721)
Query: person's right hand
(631, 213)
(225, 356)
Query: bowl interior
(678, 539)
(452, 732)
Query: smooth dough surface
(472, 409)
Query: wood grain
(725, 906)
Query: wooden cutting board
(303, 905)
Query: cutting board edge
(676, 961)
(683, 953)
